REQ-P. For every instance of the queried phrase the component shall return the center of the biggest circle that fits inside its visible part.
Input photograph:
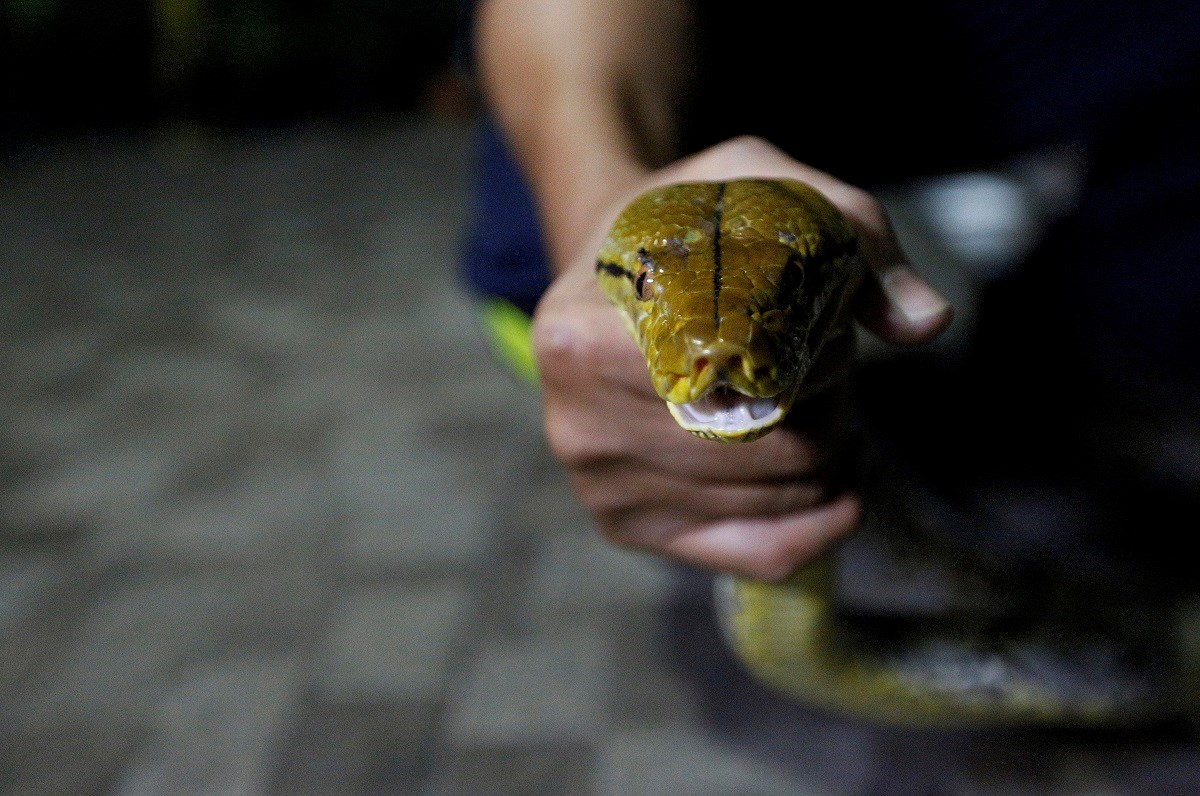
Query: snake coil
(733, 290)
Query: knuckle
(746, 144)
(641, 527)
(569, 352)
(868, 210)
(607, 501)
(570, 444)
(738, 150)
(583, 446)
(863, 204)
(618, 534)
(761, 500)
(777, 562)
(559, 345)
(618, 528)
(799, 455)
(793, 497)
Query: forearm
(586, 93)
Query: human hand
(760, 509)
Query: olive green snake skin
(732, 290)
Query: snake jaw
(727, 392)
(728, 415)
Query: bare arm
(586, 90)
(586, 93)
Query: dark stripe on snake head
(613, 269)
(718, 212)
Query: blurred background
(274, 521)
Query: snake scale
(733, 290)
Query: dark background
(78, 65)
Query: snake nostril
(763, 373)
(734, 365)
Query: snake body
(733, 290)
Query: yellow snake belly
(732, 290)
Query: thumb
(900, 307)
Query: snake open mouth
(725, 413)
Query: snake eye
(792, 280)
(795, 271)
(643, 284)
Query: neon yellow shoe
(509, 330)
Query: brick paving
(273, 522)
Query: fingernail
(915, 300)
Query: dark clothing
(907, 89)
(504, 254)
(902, 90)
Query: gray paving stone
(265, 323)
(183, 377)
(577, 573)
(394, 642)
(122, 656)
(414, 364)
(685, 762)
(251, 417)
(95, 483)
(268, 514)
(548, 507)
(377, 431)
(559, 769)
(533, 690)
(25, 584)
(475, 420)
(358, 747)
(409, 507)
(329, 757)
(55, 427)
(454, 316)
(487, 415)
(199, 433)
(55, 355)
(133, 639)
(43, 627)
(324, 392)
(79, 760)
(647, 690)
(384, 337)
(216, 732)
(447, 532)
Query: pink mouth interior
(724, 409)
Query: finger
(579, 338)
(898, 306)
(628, 433)
(769, 549)
(617, 493)
(894, 302)
(745, 156)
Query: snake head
(731, 290)
(731, 385)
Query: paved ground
(272, 521)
